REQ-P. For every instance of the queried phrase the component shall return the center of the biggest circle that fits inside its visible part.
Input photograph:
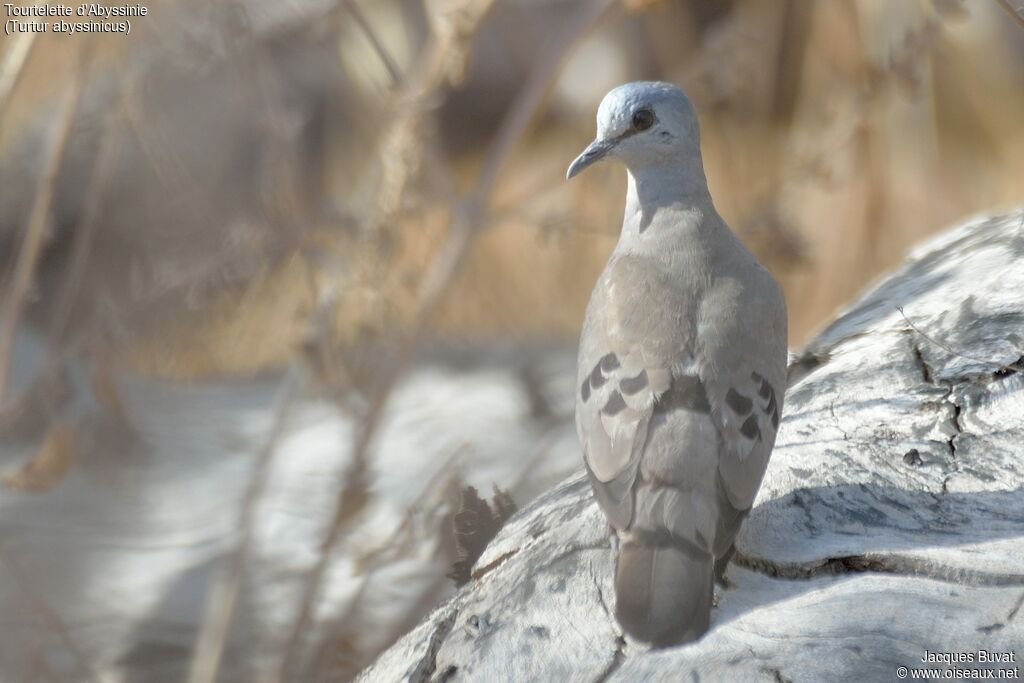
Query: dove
(681, 370)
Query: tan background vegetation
(836, 135)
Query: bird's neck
(680, 186)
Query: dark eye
(643, 119)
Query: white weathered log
(890, 522)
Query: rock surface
(890, 523)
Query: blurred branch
(401, 537)
(15, 57)
(35, 235)
(281, 194)
(1016, 13)
(469, 215)
(402, 146)
(467, 220)
(213, 633)
(375, 42)
(401, 543)
(52, 618)
(86, 227)
(791, 53)
(159, 152)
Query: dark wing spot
(631, 385)
(614, 405)
(750, 428)
(585, 390)
(608, 363)
(597, 379)
(765, 390)
(773, 410)
(686, 392)
(738, 402)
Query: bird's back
(688, 308)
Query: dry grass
(893, 132)
(867, 166)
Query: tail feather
(663, 594)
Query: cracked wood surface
(890, 522)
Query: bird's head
(645, 123)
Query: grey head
(644, 124)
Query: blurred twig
(86, 227)
(35, 234)
(1016, 13)
(469, 216)
(402, 543)
(13, 65)
(52, 618)
(281, 184)
(158, 151)
(402, 146)
(375, 42)
(400, 539)
(220, 607)
(467, 219)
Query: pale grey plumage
(681, 370)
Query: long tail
(662, 592)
